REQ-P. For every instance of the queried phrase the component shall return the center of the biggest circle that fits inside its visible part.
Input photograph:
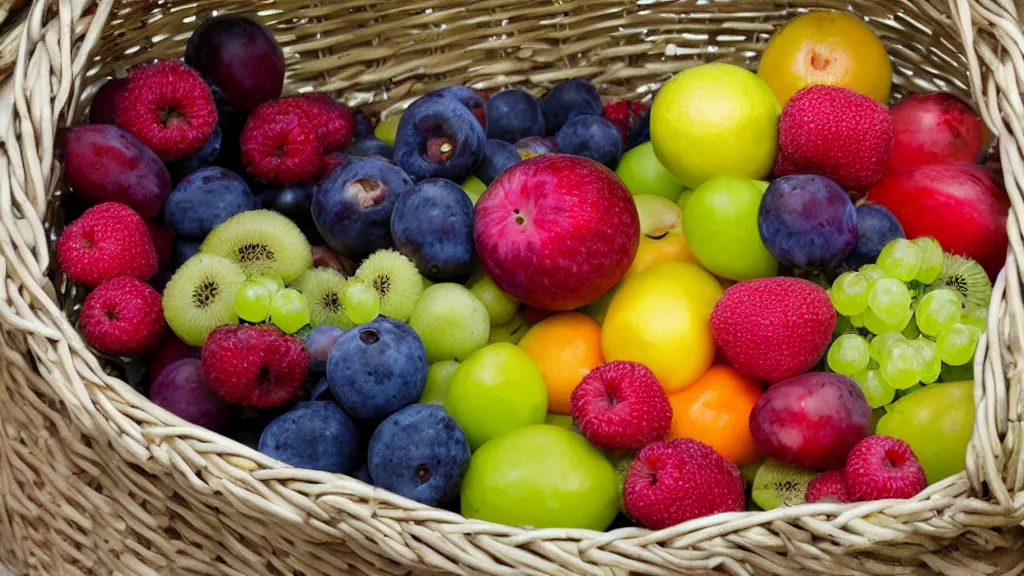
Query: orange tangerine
(716, 411)
(565, 347)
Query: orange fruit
(565, 347)
(827, 47)
(716, 411)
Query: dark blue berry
(364, 126)
(206, 156)
(592, 137)
(568, 100)
(183, 250)
(371, 146)
(876, 227)
(432, 225)
(296, 203)
(204, 199)
(315, 435)
(363, 474)
(498, 155)
(470, 99)
(513, 115)
(641, 132)
(438, 137)
(321, 391)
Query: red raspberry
(619, 406)
(122, 317)
(257, 366)
(109, 240)
(169, 107)
(163, 241)
(280, 145)
(880, 467)
(679, 480)
(335, 123)
(831, 485)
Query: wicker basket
(95, 479)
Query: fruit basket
(98, 479)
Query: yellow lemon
(661, 318)
(715, 120)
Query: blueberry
(421, 453)
(568, 100)
(513, 115)
(364, 126)
(438, 137)
(377, 368)
(206, 156)
(498, 155)
(371, 146)
(319, 342)
(641, 132)
(470, 99)
(204, 199)
(591, 137)
(433, 226)
(876, 227)
(183, 250)
(321, 391)
(315, 435)
(363, 473)
(296, 203)
(352, 207)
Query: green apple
(658, 216)
(500, 306)
(511, 331)
(474, 187)
(563, 421)
(439, 377)
(451, 321)
(599, 308)
(497, 389)
(541, 476)
(684, 198)
(642, 173)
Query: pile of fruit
(763, 290)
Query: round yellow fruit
(832, 48)
(661, 318)
(715, 120)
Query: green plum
(511, 331)
(500, 306)
(474, 187)
(496, 389)
(684, 199)
(541, 476)
(451, 321)
(439, 377)
(642, 173)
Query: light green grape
(901, 259)
(977, 317)
(849, 354)
(957, 344)
(900, 365)
(272, 280)
(360, 300)
(849, 293)
(875, 388)
(872, 272)
(888, 299)
(931, 364)
(938, 311)
(252, 302)
(876, 325)
(857, 321)
(883, 342)
(289, 310)
(931, 259)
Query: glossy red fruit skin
(812, 420)
(103, 109)
(957, 204)
(167, 352)
(556, 231)
(936, 128)
(240, 57)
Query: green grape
(911, 331)
(850, 293)
(289, 310)
(901, 259)
(931, 364)
(857, 320)
(272, 280)
(977, 317)
(360, 300)
(957, 344)
(875, 388)
(876, 325)
(900, 365)
(938, 311)
(252, 302)
(883, 342)
(888, 299)
(872, 272)
(931, 259)
(849, 354)
(957, 373)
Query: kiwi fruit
(322, 287)
(262, 239)
(201, 296)
(777, 484)
(966, 277)
(397, 281)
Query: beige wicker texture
(94, 479)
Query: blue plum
(470, 99)
(316, 435)
(204, 199)
(641, 132)
(183, 250)
(432, 225)
(206, 156)
(592, 137)
(364, 126)
(498, 155)
(371, 146)
(296, 203)
(807, 222)
(513, 115)
(438, 137)
(568, 100)
(876, 227)
(321, 390)
(319, 341)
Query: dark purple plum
(536, 146)
(352, 207)
(513, 115)
(807, 222)
(231, 122)
(183, 250)
(295, 202)
(641, 132)
(876, 227)
(103, 163)
(438, 137)
(592, 137)
(240, 57)
(182, 390)
(364, 126)
(371, 146)
(319, 342)
(432, 225)
(206, 156)
(316, 435)
(470, 99)
(568, 100)
(103, 109)
(204, 199)
(498, 155)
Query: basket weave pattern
(95, 479)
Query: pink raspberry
(258, 366)
(108, 241)
(280, 145)
(335, 122)
(880, 467)
(122, 317)
(831, 485)
(621, 407)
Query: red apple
(935, 128)
(556, 231)
(957, 204)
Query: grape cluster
(900, 326)
(265, 297)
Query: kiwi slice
(261, 239)
(322, 287)
(966, 277)
(397, 281)
(777, 484)
(201, 296)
